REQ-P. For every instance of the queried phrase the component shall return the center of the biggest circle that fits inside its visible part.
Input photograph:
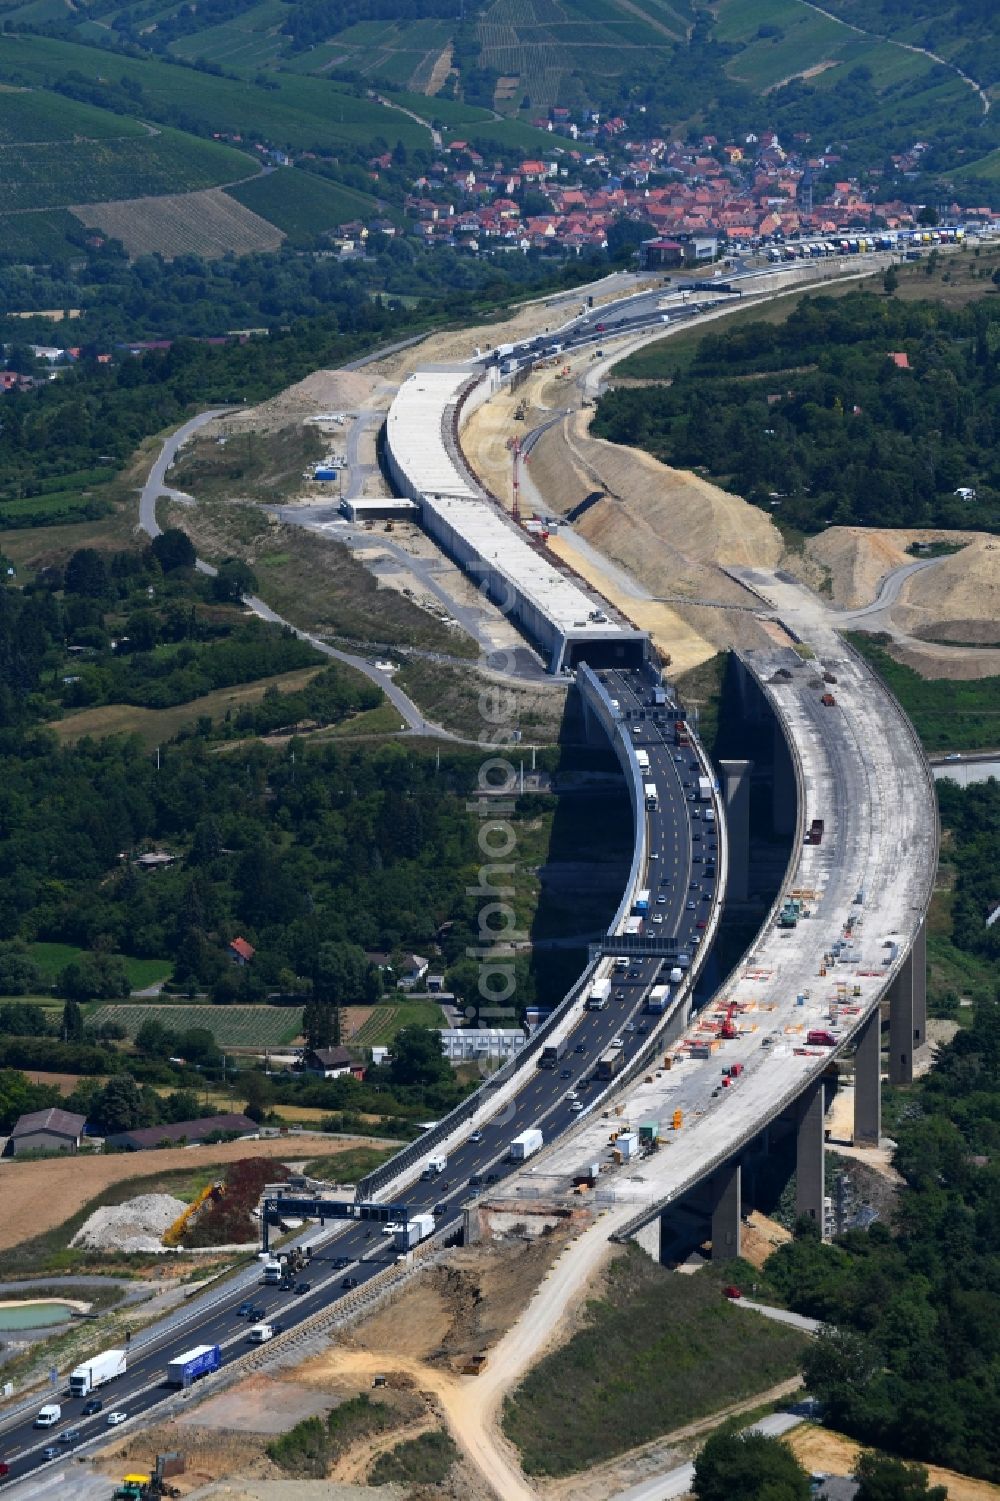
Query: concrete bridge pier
(784, 795)
(810, 1177)
(737, 795)
(725, 1190)
(908, 1011)
(868, 1082)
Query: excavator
(172, 1237)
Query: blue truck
(193, 1364)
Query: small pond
(33, 1315)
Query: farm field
(388, 1017)
(37, 115)
(561, 51)
(53, 957)
(207, 224)
(301, 204)
(231, 1026)
(247, 43)
(156, 726)
(39, 237)
(295, 112)
(55, 174)
(39, 1197)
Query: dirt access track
(40, 1196)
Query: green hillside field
(302, 204)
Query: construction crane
(515, 452)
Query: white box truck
(413, 1232)
(273, 1273)
(704, 790)
(434, 1167)
(86, 1378)
(658, 1000)
(525, 1145)
(650, 794)
(597, 999)
(48, 1415)
(260, 1334)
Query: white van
(49, 1416)
(260, 1334)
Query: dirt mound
(695, 519)
(958, 599)
(137, 1225)
(856, 559)
(322, 391)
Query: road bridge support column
(783, 791)
(810, 1183)
(725, 1188)
(908, 1010)
(737, 795)
(868, 1083)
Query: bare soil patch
(857, 558)
(39, 1196)
(260, 1405)
(835, 1454)
(207, 223)
(961, 591)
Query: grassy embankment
(653, 1352)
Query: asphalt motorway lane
(542, 1101)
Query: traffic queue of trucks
(86, 1378)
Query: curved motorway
(552, 1099)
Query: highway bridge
(857, 941)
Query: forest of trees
(911, 1362)
(812, 420)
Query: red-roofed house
(241, 952)
(900, 360)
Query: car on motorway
(475, 1179)
(566, 1073)
(70, 1436)
(571, 1094)
(51, 1451)
(701, 923)
(690, 906)
(439, 1210)
(340, 1262)
(696, 835)
(678, 758)
(619, 995)
(654, 854)
(581, 1047)
(94, 1405)
(301, 1287)
(476, 1136)
(661, 901)
(633, 974)
(244, 1311)
(349, 1282)
(114, 1418)
(706, 896)
(577, 1106)
(617, 1042)
(664, 881)
(277, 1327)
(657, 917)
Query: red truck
(820, 1038)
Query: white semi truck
(86, 1378)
